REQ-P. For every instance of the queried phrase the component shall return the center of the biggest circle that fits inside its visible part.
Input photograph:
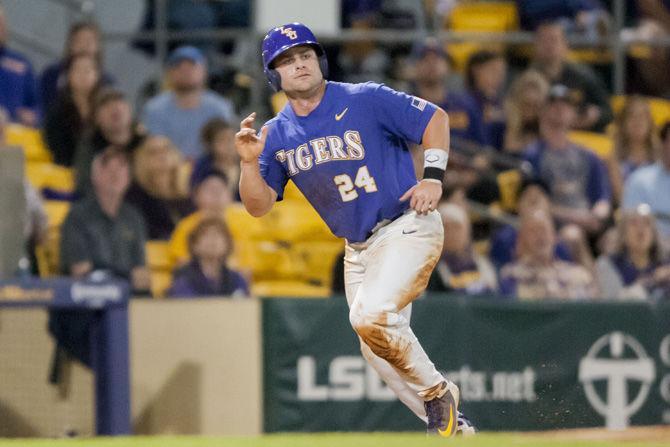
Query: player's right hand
(248, 144)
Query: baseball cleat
(442, 412)
(465, 427)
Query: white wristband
(435, 158)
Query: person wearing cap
(550, 58)
(188, 105)
(113, 126)
(432, 67)
(579, 188)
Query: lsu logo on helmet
(288, 32)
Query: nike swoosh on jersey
(409, 231)
(338, 116)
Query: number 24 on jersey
(347, 188)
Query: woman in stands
(522, 107)
(635, 142)
(159, 190)
(83, 38)
(207, 274)
(637, 269)
(70, 114)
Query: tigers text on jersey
(349, 156)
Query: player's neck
(303, 103)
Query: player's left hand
(423, 196)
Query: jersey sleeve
(399, 113)
(272, 170)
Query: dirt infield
(651, 433)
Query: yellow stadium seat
(158, 255)
(660, 108)
(48, 175)
(294, 221)
(599, 143)
(293, 289)
(56, 211)
(243, 225)
(278, 101)
(318, 259)
(30, 140)
(160, 283)
(291, 192)
(509, 183)
(48, 251)
(484, 17)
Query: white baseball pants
(383, 275)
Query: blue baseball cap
(185, 53)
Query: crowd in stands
(530, 210)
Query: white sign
(605, 361)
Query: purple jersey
(349, 156)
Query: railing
(161, 36)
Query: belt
(378, 226)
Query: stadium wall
(196, 367)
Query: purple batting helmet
(280, 39)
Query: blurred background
(138, 296)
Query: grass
(329, 440)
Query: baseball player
(344, 146)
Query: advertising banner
(520, 366)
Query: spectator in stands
(207, 274)
(211, 196)
(537, 274)
(460, 268)
(585, 17)
(71, 113)
(113, 126)
(650, 185)
(650, 63)
(18, 93)
(218, 138)
(180, 113)
(577, 179)
(364, 59)
(432, 67)
(637, 269)
(485, 76)
(550, 58)
(523, 104)
(635, 142)
(534, 196)
(158, 189)
(102, 232)
(83, 38)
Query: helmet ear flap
(323, 64)
(273, 79)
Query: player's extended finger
(248, 121)
(408, 194)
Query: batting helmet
(280, 39)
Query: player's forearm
(256, 195)
(436, 134)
